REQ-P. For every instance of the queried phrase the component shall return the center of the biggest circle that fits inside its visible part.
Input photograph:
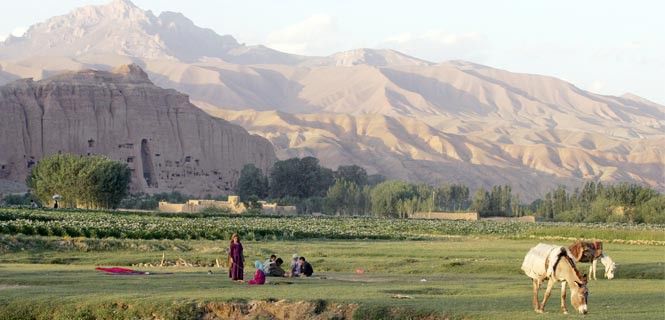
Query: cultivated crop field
(412, 269)
(129, 225)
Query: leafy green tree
(252, 182)
(345, 198)
(310, 205)
(375, 179)
(314, 179)
(407, 207)
(481, 201)
(572, 215)
(92, 181)
(453, 197)
(594, 202)
(283, 179)
(601, 208)
(505, 201)
(652, 211)
(151, 201)
(252, 202)
(300, 178)
(352, 173)
(388, 198)
(108, 183)
(19, 199)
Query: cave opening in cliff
(148, 168)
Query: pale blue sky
(609, 47)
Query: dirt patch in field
(425, 291)
(360, 278)
(11, 286)
(280, 309)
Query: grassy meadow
(455, 277)
(411, 269)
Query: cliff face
(169, 144)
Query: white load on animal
(539, 262)
(555, 263)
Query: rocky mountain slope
(396, 115)
(168, 143)
(121, 28)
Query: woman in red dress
(236, 259)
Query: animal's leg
(593, 266)
(564, 308)
(548, 291)
(536, 286)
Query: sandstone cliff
(168, 143)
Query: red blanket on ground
(121, 271)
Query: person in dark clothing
(275, 269)
(269, 262)
(306, 269)
(236, 259)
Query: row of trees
(347, 191)
(98, 182)
(351, 191)
(499, 201)
(595, 202)
(297, 178)
(81, 181)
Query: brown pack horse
(553, 263)
(591, 252)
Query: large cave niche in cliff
(148, 168)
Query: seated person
(295, 266)
(267, 263)
(305, 267)
(275, 269)
(259, 276)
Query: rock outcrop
(168, 143)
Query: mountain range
(396, 115)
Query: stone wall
(469, 216)
(173, 207)
(521, 219)
(233, 204)
(274, 209)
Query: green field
(412, 269)
(215, 226)
(466, 277)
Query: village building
(233, 204)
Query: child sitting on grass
(259, 276)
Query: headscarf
(258, 265)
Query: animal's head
(610, 267)
(598, 245)
(579, 295)
(609, 270)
